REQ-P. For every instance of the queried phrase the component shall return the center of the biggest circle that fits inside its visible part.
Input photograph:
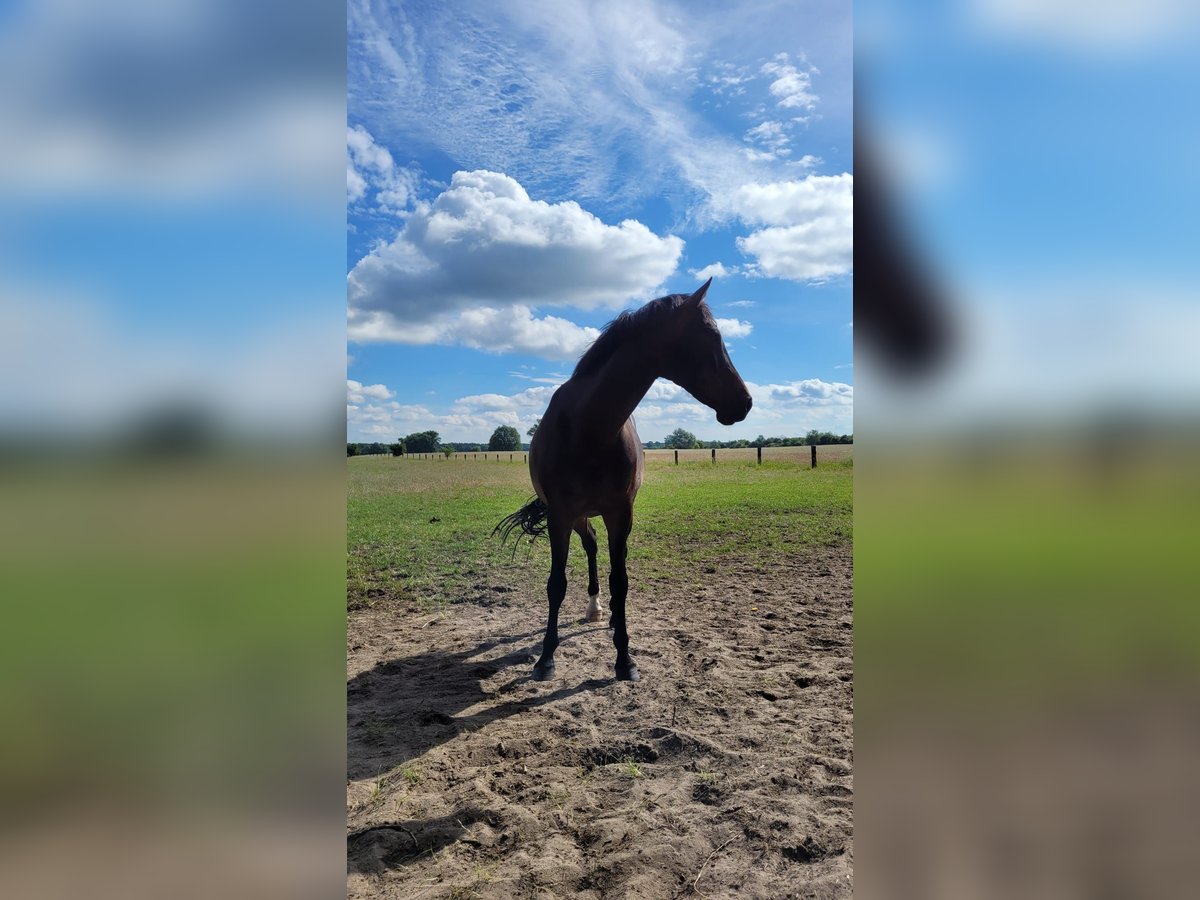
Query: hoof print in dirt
(809, 851)
(708, 793)
(619, 753)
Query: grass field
(420, 530)
(726, 771)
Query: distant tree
(534, 427)
(397, 448)
(679, 439)
(423, 442)
(449, 451)
(505, 438)
(352, 449)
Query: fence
(810, 453)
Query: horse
(586, 459)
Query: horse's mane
(620, 329)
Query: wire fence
(812, 454)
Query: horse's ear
(695, 299)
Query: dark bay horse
(586, 458)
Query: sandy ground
(725, 772)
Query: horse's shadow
(401, 708)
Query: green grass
(631, 768)
(1026, 579)
(419, 531)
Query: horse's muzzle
(735, 414)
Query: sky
(171, 217)
(519, 173)
(1047, 175)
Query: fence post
(759, 455)
(676, 457)
(814, 457)
(714, 450)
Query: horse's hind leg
(618, 524)
(587, 535)
(556, 589)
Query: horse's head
(696, 360)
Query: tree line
(681, 439)
(503, 438)
(508, 438)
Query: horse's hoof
(543, 673)
(593, 608)
(594, 616)
(628, 674)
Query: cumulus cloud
(734, 328)
(792, 408)
(468, 268)
(357, 392)
(713, 270)
(512, 330)
(791, 87)
(171, 100)
(470, 418)
(810, 233)
(370, 169)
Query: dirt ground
(725, 772)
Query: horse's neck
(612, 393)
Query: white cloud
(791, 87)
(370, 167)
(282, 379)
(810, 233)
(789, 202)
(540, 379)
(1096, 28)
(712, 270)
(770, 135)
(468, 267)
(573, 103)
(511, 330)
(733, 328)
(788, 408)
(356, 392)
(814, 251)
(127, 100)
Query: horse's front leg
(618, 524)
(556, 590)
(587, 536)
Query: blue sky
(518, 173)
(1047, 171)
(171, 224)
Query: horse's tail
(530, 519)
